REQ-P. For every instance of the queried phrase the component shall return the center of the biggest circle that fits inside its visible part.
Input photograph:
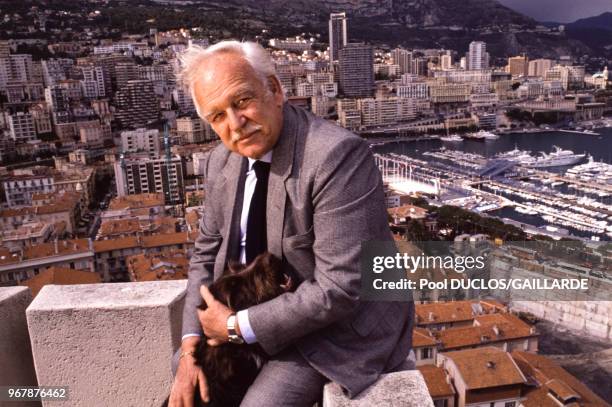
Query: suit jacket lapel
(280, 169)
(235, 175)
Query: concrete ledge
(111, 344)
(401, 389)
(16, 365)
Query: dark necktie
(256, 236)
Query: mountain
(596, 32)
(408, 13)
(450, 24)
(602, 21)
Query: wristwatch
(232, 334)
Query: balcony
(111, 345)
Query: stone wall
(401, 389)
(593, 318)
(111, 344)
(16, 364)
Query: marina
(560, 193)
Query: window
(426, 353)
(510, 404)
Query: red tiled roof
(486, 367)
(435, 378)
(553, 381)
(422, 338)
(60, 276)
(115, 244)
(165, 239)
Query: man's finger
(206, 295)
(175, 399)
(188, 399)
(203, 387)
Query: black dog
(229, 368)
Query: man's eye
(217, 117)
(242, 102)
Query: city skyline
(480, 141)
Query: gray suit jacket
(325, 197)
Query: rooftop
(436, 380)
(501, 327)
(137, 201)
(553, 382)
(168, 265)
(60, 276)
(454, 311)
(421, 337)
(486, 367)
(407, 211)
(115, 244)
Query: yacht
(481, 135)
(514, 155)
(557, 158)
(451, 138)
(488, 135)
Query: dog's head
(247, 285)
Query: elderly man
(308, 192)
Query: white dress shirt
(249, 188)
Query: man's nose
(236, 119)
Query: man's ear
(277, 90)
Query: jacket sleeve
(201, 265)
(348, 209)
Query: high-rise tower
(337, 34)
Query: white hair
(255, 55)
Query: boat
(525, 211)
(481, 135)
(452, 138)
(474, 136)
(557, 158)
(514, 155)
(488, 135)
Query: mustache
(245, 131)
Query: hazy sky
(562, 11)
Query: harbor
(558, 191)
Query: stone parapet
(16, 365)
(111, 344)
(401, 389)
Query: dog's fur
(230, 369)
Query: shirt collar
(267, 158)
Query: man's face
(245, 113)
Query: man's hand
(214, 318)
(188, 376)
